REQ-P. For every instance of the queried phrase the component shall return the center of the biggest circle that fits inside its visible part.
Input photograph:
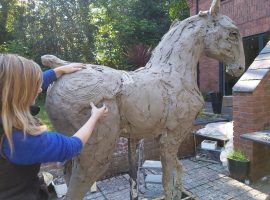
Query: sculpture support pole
(132, 157)
(133, 167)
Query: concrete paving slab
(204, 180)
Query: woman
(25, 143)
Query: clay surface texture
(159, 100)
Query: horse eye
(233, 35)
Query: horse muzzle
(235, 70)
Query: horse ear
(215, 7)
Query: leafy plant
(14, 46)
(138, 56)
(43, 116)
(203, 115)
(178, 9)
(237, 155)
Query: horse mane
(175, 23)
(167, 40)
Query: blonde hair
(20, 81)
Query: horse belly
(142, 110)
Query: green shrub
(237, 155)
(138, 55)
(42, 114)
(15, 47)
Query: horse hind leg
(171, 167)
(95, 158)
(85, 171)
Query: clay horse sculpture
(159, 100)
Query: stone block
(227, 101)
(266, 49)
(94, 195)
(254, 74)
(246, 85)
(264, 56)
(262, 64)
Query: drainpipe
(197, 6)
(198, 65)
(221, 79)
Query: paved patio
(205, 180)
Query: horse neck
(179, 51)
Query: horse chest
(151, 105)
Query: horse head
(223, 41)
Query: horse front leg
(171, 167)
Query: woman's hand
(86, 130)
(98, 113)
(67, 69)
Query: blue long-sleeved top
(49, 76)
(46, 147)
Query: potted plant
(238, 165)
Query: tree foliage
(55, 27)
(6, 17)
(97, 31)
(177, 9)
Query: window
(252, 47)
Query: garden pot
(238, 169)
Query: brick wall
(119, 162)
(251, 112)
(209, 75)
(251, 17)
